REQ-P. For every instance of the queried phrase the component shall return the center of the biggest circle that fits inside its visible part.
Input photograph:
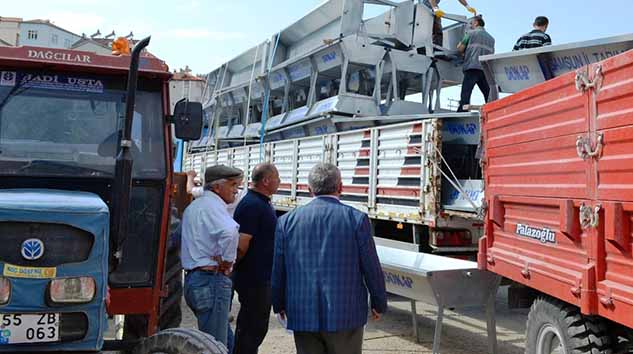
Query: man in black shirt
(252, 274)
(536, 38)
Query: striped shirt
(534, 39)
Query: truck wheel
(180, 341)
(554, 327)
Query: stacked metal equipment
(328, 67)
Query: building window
(31, 34)
(54, 39)
(67, 43)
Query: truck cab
(62, 114)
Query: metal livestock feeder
(333, 63)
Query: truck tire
(554, 327)
(180, 341)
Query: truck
(86, 202)
(419, 182)
(363, 92)
(535, 187)
(558, 177)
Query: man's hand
(438, 12)
(224, 267)
(191, 174)
(472, 10)
(375, 315)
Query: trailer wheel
(554, 327)
(180, 341)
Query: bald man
(257, 220)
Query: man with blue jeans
(324, 266)
(257, 219)
(209, 247)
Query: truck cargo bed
(559, 186)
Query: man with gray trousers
(324, 265)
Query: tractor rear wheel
(180, 341)
(135, 326)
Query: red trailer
(559, 188)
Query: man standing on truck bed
(251, 279)
(476, 43)
(537, 37)
(209, 248)
(438, 34)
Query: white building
(9, 30)
(101, 46)
(185, 85)
(43, 33)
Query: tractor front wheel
(180, 341)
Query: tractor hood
(79, 209)
(63, 258)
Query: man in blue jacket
(325, 262)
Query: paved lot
(464, 332)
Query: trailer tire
(554, 324)
(180, 341)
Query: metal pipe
(124, 162)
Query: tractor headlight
(72, 290)
(5, 290)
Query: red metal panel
(394, 192)
(544, 168)
(131, 301)
(554, 108)
(615, 273)
(532, 244)
(615, 165)
(613, 98)
(614, 93)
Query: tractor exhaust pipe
(124, 161)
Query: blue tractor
(86, 215)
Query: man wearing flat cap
(209, 248)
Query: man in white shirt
(209, 248)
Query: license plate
(29, 328)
